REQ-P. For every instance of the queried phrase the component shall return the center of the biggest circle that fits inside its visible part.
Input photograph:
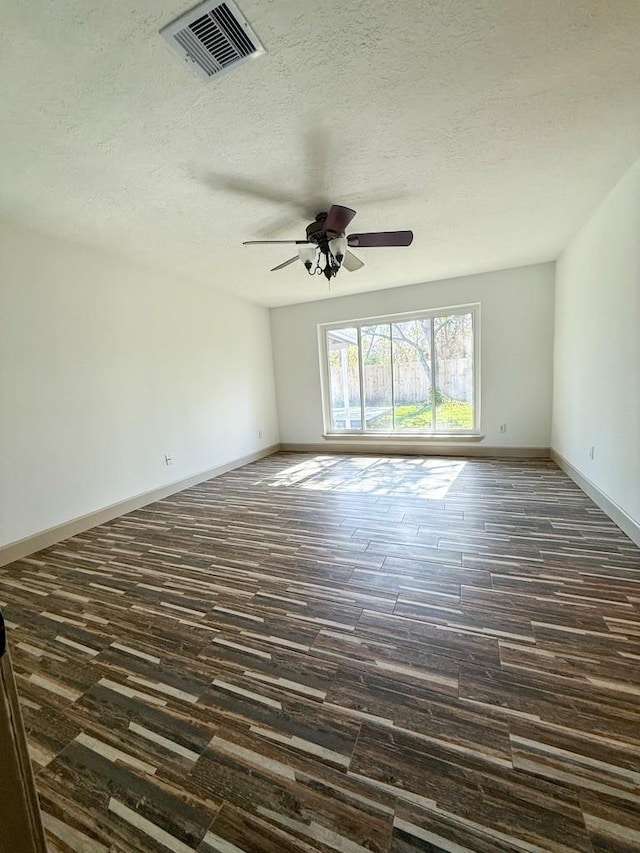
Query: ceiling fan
(326, 248)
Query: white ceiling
(490, 128)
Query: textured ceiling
(490, 128)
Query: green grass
(449, 413)
(456, 414)
(413, 416)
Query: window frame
(325, 385)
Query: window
(406, 374)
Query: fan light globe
(338, 248)
(307, 255)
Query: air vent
(213, 39)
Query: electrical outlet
(592, 452)
(503, 427)
(168, 459)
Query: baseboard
(418, 449)
(611, 508)
(38, 541)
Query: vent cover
(212, 39)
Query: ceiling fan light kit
(327, 248)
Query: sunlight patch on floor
(420, 477)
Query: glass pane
(344, 378)
(454, 371)
(411, 347)
(375, 344)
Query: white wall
(105, 367)
(516, 349)
(597, 348)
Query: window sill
(411, 436)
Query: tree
(453, 335)
(415, 335)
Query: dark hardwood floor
(332, 653)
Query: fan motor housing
(317, 234)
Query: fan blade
(352, 263)
(338, 218)
(381, 238)
(263, 242)
(285, 264)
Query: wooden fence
(410, 383)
